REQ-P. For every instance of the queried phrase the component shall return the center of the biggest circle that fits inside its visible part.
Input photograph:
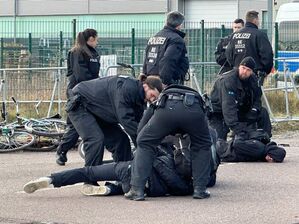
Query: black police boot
(135, 193)
(199, 193)
(61, 158)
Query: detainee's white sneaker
(92, 190)
(32, 186)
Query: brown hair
(251, 15)
(153, 81)
(81, 41)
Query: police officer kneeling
(179, 110)
(100, 105)
(236, 102)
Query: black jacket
(166, 55)
(235, 99)
(163, 180)
(220, 56)
(81, 67)
(250, 41)
(114, 99)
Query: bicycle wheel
(16, 141)
(43, 144)
(46, 127)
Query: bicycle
(41, 143)
(12, 137)
(48, 132)
(47, 127)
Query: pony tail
(142, 77)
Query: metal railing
(31, 85)
(286, 77)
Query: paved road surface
(245, 193)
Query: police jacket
(235, 99)
(114, 99)
(250, 41)
(81, 67)
(170, 90)
(220, 54)
(166, 55)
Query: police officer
(82, 64)
(250, 41)
(175, 102)
(235, 103)
(166, 53)
(222, 45)
(98, 106)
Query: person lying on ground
(256, 146)
(171, 176)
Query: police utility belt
(188, 99)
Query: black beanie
(248, 62)
(275, 152)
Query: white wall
(257, 5)
(211, 11)
(76, 7)
(7, 7)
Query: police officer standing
(222, 45)
(175, 102)
(83, 63)
(250, 41)
(235, 102)
(98, 106)
(166, 53)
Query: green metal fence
(25, 44)
(45, 43)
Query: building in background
(194, 10)
(47, 28)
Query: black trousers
(264, 121)
(97, 133)
(89, 174)
(175, 117)
(69, 139)
(216, 121)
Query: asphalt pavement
(244, 193)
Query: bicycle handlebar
(14, 100)
(17, 105)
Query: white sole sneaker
(91, 190)
(34, 185)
